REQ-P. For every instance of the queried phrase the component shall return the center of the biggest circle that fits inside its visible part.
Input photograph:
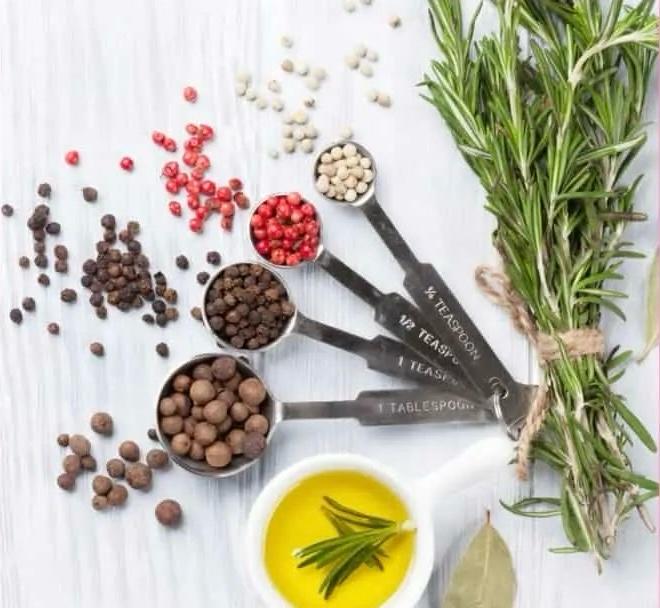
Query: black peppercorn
(213, 258)
(7, 210)
(68, 295)
(203, 277)
(43, 279)
(162, 349)
(16, 316)
(148, 319)
(182, 262)
(61, 266)
(61, 252)
(44, 190)
(96, 348)
(53, 228)
(24, 261)
(158, 306)
(102, 312)
(90, 194)
(41, 261)
(53, 329)
(28, 304)
(196, 313)
(109, 221)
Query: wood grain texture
(99, 76)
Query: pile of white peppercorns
(343, 174)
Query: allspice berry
(235, 439)
(180, 444)
(183, 404)
(101, 485)
(253, 444)
(252, 391)
(202, 372)
(239, 411)
(171, 425)
(215, 411)
(115, 468)
(218, 454)
(102, 424)
(181, 383)
(71, 464)
(117, 495)
(202, 391)
(205, 433)
(99, 503)
(88, 463)
(138, 476)
(80, 445)
(167, 406)
(256, 423)
(66, 481)
(224, 368)
(129, 450)
(157, 459)
(168, 513)
(63, 440)
(196, 451)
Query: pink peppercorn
(72, 157)
(126, 163)
(175, 208)
(190, 94)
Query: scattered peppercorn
(72, 157)
(213, 258)
(7, 210)
(53, 228)
(148, 319)
(24, 261)
(99, 503)
(168, 513)
(90, 194)
(101, 485)
(115, 468)
(203, 277)
(102, 423)
(44, 190)
(53, 329)
(126, 163)
(96, 348)
(16, 315)
(163, 349)
(41, 261)
(63, 440)
(68, 295)
(196, 313)
(129, 450)
(138, 476)
(61, 252)
(80, 445)
(28, 304)
(67, 481)
(117, 495)
(182, 262)
(71, 464)
(43, 279)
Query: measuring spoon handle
(416, 406)
(382, 354)
(396, 314)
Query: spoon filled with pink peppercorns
(216, 417)
(286, 231)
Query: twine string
(574, 342)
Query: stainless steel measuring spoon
(370, 408)
(441, 309)
(389, 308)
(381, 353)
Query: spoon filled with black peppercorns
(247, 308)
(215, 416)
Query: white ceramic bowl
(482, 460)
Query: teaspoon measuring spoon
(441, 309)
(381, 353)
(370, 408)
(389, 308)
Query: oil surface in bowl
(298, 521)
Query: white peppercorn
(250, 94)
(287, 65)
(307, 146)
(349, 5)
(384, 100)
(240, 89)
(288, 145)
(372, 95)
(301, 68)
(261, 103)
(352, 61)
(319, 73)
(274, 86)
(372, 55)
(312, 83)
(277, 104)
(360, 50)
(366, 70)
(394, 21)
(286, 42)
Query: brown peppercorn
(157, 459)
(90, 194)
(205, 433)
(67, 481)
(252, 391)
(102, 423)
(63, 440)
(80, 445)
(101, 485)
(215, 411)
(253, 444)
(239, 411)
(99, 503)
(223, 368)
(168, 513)
(180, 444)
(196, 451)
(88, 463)
(256, 423)
(218, 454)
(181, 383)
(115, 468)
(138, 476)
(129, 450)
(117, 495)
(202, 391)
(71, 464)
(235, 439)
(171, 425)
(96, 348)
(195, 311)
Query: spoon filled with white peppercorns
(247, 307)
(346, 174)
(285, 230)
(215, 416)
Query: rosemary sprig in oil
(359, 541)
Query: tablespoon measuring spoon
(381, 353)
(441, 308)
(370, 408)
(389, 308)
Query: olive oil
(298, 521)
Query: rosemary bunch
(550, 132)
(359, 541)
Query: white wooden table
(99, 77)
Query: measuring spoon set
(439, 348)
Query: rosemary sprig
(548, 114)
(359, 541)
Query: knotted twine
(575, 342)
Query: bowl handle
(481, 461)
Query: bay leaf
(484, 577)
(652, 334)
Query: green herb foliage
(359, 541)
(549, 132)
